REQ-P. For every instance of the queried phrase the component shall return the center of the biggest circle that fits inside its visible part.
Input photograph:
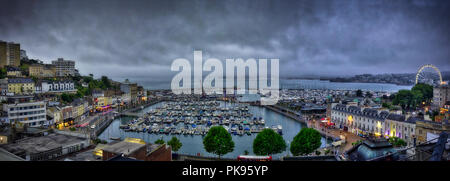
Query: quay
(291, 114)
(102, 123)
(285, 112)
(297, 117)
(187, 157)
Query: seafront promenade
(335, 133)
(329, 133)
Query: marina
(195, 118)
(152, 126)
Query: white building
(61, 86)
(397, 125)
(359, 121)
(31, 113)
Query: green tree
(24, 69)
(105, 81)
(175, 144)
(318, 152)
(356, 142)
(396, 141)
(425, 89)
(403, 98)
(160, 141)
(359, 93)
(433, 115)
(218, 141)
(3, 73)
(386, 105)
(35, 79)
(268, 142)
(306, 141)
(87, 79)
(410, 99)
(67, 97)
(368, 94)
(417, 98)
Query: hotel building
(31, 113)
(64, 67)
(9, 54)
(42, 70)
(366, 121)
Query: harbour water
(325, 84)
(193, 144)
(293, 84)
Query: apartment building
(42, 70)
(130, 91)
(31, 113)
(64, 67)
(441, 95)
(9, 54)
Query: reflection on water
(193, 144)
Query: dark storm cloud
(142, 38)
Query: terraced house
(366, 121)
(80, 109)
(399, 126)
(21, 86)
(13, 72)
(56, 87)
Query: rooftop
(7, 156)
(123, 147)
(121, 158)
(83, 156)
(413, 120)
(41, 144)
(9, 69)
(20, 80)
(370, 150)
(396, 117)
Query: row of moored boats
(196, 118)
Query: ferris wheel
(429, 74)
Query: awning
(84, 124)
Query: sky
(316, 38)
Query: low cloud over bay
(311, 38)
